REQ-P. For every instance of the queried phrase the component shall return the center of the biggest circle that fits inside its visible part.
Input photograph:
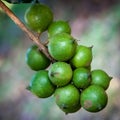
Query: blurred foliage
(93, 23)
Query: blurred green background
(93, 22)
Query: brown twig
(17, 21)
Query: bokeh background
(93, 22)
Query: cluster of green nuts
(69, 78)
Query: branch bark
(21, 25)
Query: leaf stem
(22, 26)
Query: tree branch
(17, 21)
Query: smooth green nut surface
(82, 57)
(81, 78)
(62, 46)
(94, 98)
(68, 98)
(101, 78)
(60, 73)
(40, 84)
(38, 17)
(35, 59)
(59, 26)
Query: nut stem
(21, 25)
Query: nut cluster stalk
(22, 26)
